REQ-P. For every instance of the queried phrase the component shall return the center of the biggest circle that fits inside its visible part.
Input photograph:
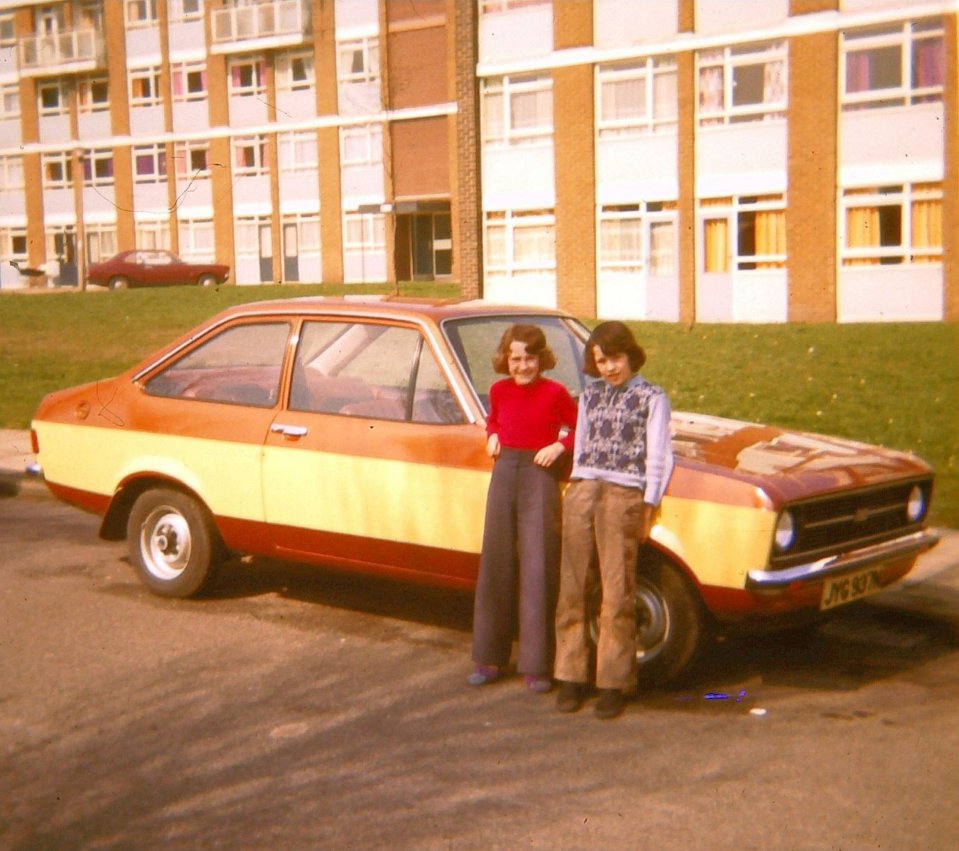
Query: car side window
(370, 370)
(240, 365)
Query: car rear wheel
(207, 281)
(119, 283)
(173, 544)
(672, 627)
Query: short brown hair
(533, 338)
(613, 338)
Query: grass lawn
(896, 385)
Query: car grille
(836, 524)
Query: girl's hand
(492, 446)
(548, 454)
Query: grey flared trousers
(519, 566)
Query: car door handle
(290, 432)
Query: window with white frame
(249, 156)
(13, 243)
(101, 242)
(742, 83)
(56, 169)
(893, 65)
(520, 243)
(98, 168)
(294, 71)
(191, 159)
(743, 233)
(307, 231)
(489, 6)
(358, 60)
(638, 238)
(246, 234)
(186, 10)
(11, 172)
(93, 94)
(639, 97)
(364, 232)
(517, 109)
(141, 13)
(361, 144)
(884, 225)
(144, 86)
(197, 242)
(189, 81)
(298, 151)
(9, 100)
(53, 97)
(149, 163)
(151, 235)
(8, 30)
(247, 77)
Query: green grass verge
(895, 385)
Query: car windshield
(475, 339)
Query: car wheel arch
(114, 524)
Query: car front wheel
(671, 625)
(173, 543)
(119, 283)
(207, 281)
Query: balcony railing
(269, 20)
(54, 52)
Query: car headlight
(916, 505)
(785, 533)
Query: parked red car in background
(154, 268)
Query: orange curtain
(771, 237)
(862, 231)
(927, 229)
(717, 245)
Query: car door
(375, 462)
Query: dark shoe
(570, 697)
(483, 675)
(611, 703)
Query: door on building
(291, 252)
(423, 240)
(62, 248)
(266, 253)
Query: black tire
(119, 283)
(207, 281)
(173, 544)
(672, 627)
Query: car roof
(409, 307)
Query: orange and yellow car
(351, 433)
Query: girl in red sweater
(530, 426)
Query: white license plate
(852, 586)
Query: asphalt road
(302, 709)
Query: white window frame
(98, 168)
(488, 7)
(197, 240)
(86, 91)
(155, 155)
(152, 235)
(368, 52)
(361, 145)
(8, 29)
(501, 97)
(9, 101)
(186, 10)
(298, 151)
(246, 234)
(734, 211)
(285, 64)
(182, 74)
(645, 258)
(61, 160)
(655, 114)
(515, 226)
(9, 249)
(363, 232)
(716, 102)
(255, 162)
(101, 242)
(183, 159)
(11, 172)
(308, 234)
(904, 38)
(903, 198)
(141, 13)
(257, 72)
(63, 97)
(150, 77)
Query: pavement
(16, 457)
